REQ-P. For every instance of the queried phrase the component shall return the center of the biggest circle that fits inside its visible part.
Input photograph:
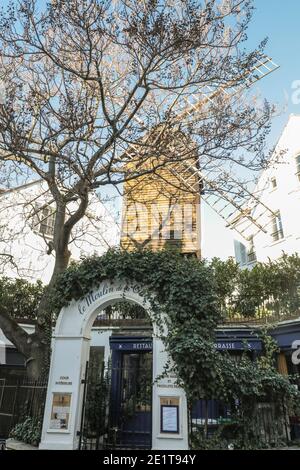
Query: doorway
(131, 392)
(117, 407)
(131, 404)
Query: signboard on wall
(60, 412)
(169, 415)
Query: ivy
(184, 288)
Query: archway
(117, 405)
(70, 352)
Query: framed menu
(60, 412)
(169, 415)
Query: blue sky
(279, 21)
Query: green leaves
(268, 289)
(28, 431)
(20, 298)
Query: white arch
(70, 351)
(78, 317)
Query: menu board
(60, 412)
(169, 415)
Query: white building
(26, 230)
(279, 189)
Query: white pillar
(165, 392)
(63, 407)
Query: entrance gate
(64, 424)
(117, 408)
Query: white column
(165, 390)
(62, 420)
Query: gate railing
(20, 400)
(96, 399)
(211, 418)
(117, 408)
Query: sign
(104, 289)
(2, 353)
(296, 353)
(169, 419)
(133, 346)
(169, 415)
(60, 413)
(63, 380)
(228, 345)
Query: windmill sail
(205, 95)
(241, 209)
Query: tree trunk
(36, 347)
(39, 362)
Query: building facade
(26, 232)
(279, 189)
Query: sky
(279, 21)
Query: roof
(18, 188)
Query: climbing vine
(184, 288)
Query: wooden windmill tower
(181, 185)
(159, 209)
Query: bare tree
(92, 85)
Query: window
(43, 221)
(298, 166)
(251, 255)
(273, 182)
(240, 253)
(277, 230)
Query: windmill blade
(241, 209)
(206, 94)
(196, 102)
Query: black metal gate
(117, 405)
(20, 400)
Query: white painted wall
(285, 197)
(92, 235)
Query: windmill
(240, 208)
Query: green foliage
(183, 287)
(20, 298)
(127, 310)
(28, 431)
(247, 386)
(98, 393)
(226, 274)
(268, 289)
(215, 442)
